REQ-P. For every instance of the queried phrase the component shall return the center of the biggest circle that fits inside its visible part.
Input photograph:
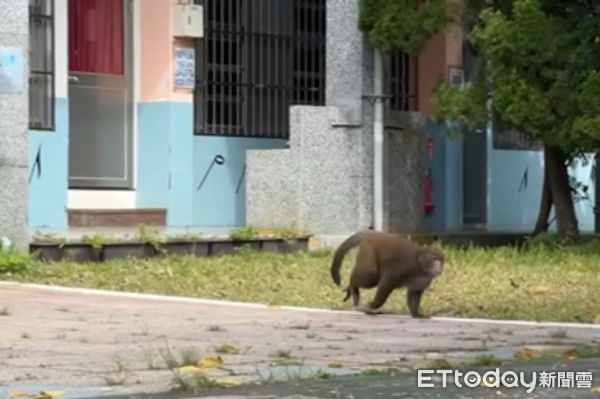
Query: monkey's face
(432, 261)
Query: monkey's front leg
(413, 299)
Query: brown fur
(388, 261)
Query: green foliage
(403, 24)
(150, 236)
(49, 238)
(244, 233)
(291, 233)
(537, 72)
(97, 240)
(12, 261)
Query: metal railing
(256, 59)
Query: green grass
(543, 282)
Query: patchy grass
(227, 349)
(118, 373)
(541, 282)
(282, 354)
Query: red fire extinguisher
(429, 180)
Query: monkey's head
(431, 261)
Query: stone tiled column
(14, 115)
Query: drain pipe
(378, 143)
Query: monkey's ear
(423, 257)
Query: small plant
(291, 233)
(588, 351)
(228, 350)
(49, 238)
(149, 236)
(151, 359)
(215, 328)
(168, 356)
(4, 311)
(244, 233)
(283, 354)
(97, 240)
(194, 382)
(481, 361)
(118, 374)
(439, 364)
(190, 356)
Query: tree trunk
(566, 221)
(546, 203)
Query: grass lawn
(543, 282)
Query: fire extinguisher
(429, 180)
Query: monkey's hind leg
(384, 289)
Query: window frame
(50, 71)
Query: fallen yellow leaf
(191, 369)
(540, 289)
(596, 389)
(570, 354)
(227, 382)
(210, 362)
(526, 353)
(18, 394)
(54, 394)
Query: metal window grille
(41, 64)
(256, 59)
(400, 70)
(508, 138)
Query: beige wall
(158, 52)
(441, 52)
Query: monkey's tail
(338, 257)
(347, 289)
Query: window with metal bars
(400, 70)
(256, 59)
(41, 64)
(506, 137)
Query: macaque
(388, 261)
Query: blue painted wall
(515, 189)
(446, 169)
(221, 201)
(165, 159)
(48, 186)
(153, 154)
(172, 163)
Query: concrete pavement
(89, 343)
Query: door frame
(130, 29)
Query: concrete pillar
(14, 120)
(349, 71)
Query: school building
(216, 113)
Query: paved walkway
(81, 340)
